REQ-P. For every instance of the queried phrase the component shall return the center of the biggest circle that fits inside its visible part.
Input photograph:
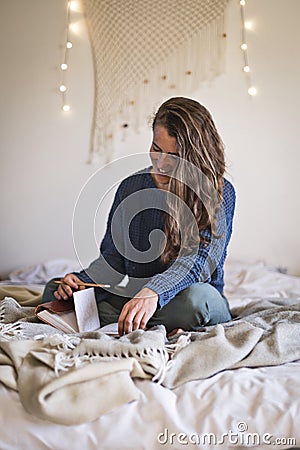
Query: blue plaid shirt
(134, 236)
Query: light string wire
(244, 47)
(65, 64)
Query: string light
(74, 27)
(252, 91)
(74, 5)
(244, 47)
(248, 25)
(71, 6)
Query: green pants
(193, 308)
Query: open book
(74, 315)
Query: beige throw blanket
(70, 385)
(71, 379)
(268, 337)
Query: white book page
(86, 310)
(111, 328)
(65, 322)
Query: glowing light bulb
(248, 25)
(66, 108)
(242, 2)
(246, 69)
(73, 27)
(62, 88)
(64, 66)
(73, 5)
(252, 91)
(69, 44)
(244, 46)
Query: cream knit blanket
(71, 379)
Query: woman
(168, 231)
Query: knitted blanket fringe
(68, 355)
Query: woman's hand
(70, 285)
(136, 313)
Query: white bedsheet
(266, 400)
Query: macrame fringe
(199, 59)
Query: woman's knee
(205, 304)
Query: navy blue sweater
(134, 236)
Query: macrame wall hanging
(146, 51)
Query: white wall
(44, 151)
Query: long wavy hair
(197, 181)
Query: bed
(248, 399)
